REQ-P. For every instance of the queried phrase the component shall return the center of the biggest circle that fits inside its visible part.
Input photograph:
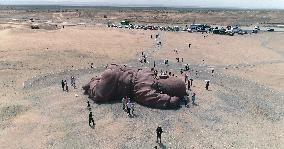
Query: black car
(254, 31)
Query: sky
(258, 4)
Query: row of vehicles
(229, 30)
(150, 27)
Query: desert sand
(243, 109)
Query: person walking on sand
(207, 85)
(188, 84)
(88, 105)
(63, 85)
(131, 108)
(191, 81)
(185, 78)
(156, 73)
(177, 59)
(66, 86)
(193, 99)
(159, 132)
(91, 120)
(187, 67)
(185, 98)
(128, 106)
(73, 82)
(123, 101)
(145, 59)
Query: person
(156, 73)
(191, 81)
(167, 62)
(189, 45)
(88, 105)
(159, 132)
(187, 67)
(188, 84)
(92, 65)
(154, 64)
(73, 82)
(207, 85)
(212, 72)
(181, 71)
(128, 107)
(67, 89)
(177, 59)
(131, 108)
(196, 73)
(66, 86)
(123, 100)
(151, 36)
(193, 99)
(63, 85)
(181, 59)
(185, 78)
(185, 101)
(91, 120)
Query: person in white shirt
(128, 106)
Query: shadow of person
(133, 116)
(162, 146)
(195, 104)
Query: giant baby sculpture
(142, 86)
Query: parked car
(270, 30)
(241, 32)
(256, 28)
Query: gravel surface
(231, 115)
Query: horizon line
(138, 6)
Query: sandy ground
(243, 109)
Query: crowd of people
(64, 84)
(128, 105)
(188, 79)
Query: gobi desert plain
(240, 52)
